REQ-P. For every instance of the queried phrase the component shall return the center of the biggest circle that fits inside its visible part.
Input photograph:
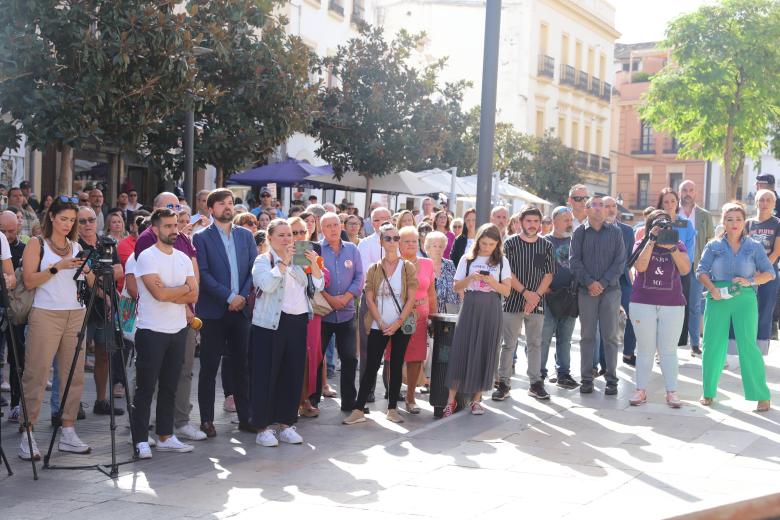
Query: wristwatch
(53, 270)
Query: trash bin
(443, 333)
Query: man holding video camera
(226, 254)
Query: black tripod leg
(79, 347)
(5, 459)
(120, 341)
(25, 418)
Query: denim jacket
(270, 280)
(719, 262)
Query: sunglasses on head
(175, 207)
(65, 198)
(579, 198)
(395, 238)
(85, 221)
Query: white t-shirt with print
(481, 264)
(173, 270)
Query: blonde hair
(433, 236)
(408, 231)
(731, 207)
(761, 193)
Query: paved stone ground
(571, 457)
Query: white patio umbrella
(401, 182)
(508, 191)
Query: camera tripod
(4, 300)
(104, 282)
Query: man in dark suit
(226, 254)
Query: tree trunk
(65, 180)
(728, 158)
(220, 176)
(736, 175)
(368, 197)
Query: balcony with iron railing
(605, 164)
(671, 146)
(582, 80)
(595, 86)
(546, 66)
(593, 162)
(643, 146)
(336, 6)
(568, 76)
(582, 159)
(358, 13)
(606, 94)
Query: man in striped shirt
(532, 262)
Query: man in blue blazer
(226, 254)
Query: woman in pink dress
(441, 223)
(425, 304)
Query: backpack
(21, 298)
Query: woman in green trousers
(730, 268)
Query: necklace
(61, 251)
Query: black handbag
(563, 303)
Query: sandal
(707, 401)
(327, 391)
(412, 408)
(763, 406)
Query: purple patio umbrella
(291, 172)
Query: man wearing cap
(266, 204)
(766, 181)
(27, 192)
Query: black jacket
(458, 249)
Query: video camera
(668, 235)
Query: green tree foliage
(260, 80)
(551, 169)
(721, 91)
(102, 71)
(381, 118)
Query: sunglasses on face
(251, 223)
(579, 199)
(395, 238)
(299, 233)
(85, 221)
(65, 198)
(174, 207)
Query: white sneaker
(24, 449)
(144, 451)
(174, 444)
(149, 440)
(191, 433)
(71, 443)
(267, 438)
(290, 435)
(5, 386)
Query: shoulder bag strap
(389, 287)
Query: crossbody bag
(410, 323)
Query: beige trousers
(52, 334)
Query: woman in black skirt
(484, 274)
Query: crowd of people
(267, 300)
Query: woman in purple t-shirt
(658, 308)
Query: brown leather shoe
(208, 429)
(246, 427)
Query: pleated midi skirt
(474, 352)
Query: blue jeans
(562, 329)
(695, 311)
(767, 298)
(629, 338)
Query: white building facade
(555, 71)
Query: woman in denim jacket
(730, 268)
(278, 337)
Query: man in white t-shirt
(166, 284)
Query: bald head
(163, 199)
(687, 195)
(9, 225)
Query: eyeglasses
(299, 233)
(579, 199)
(265, 195)
(395, 238)
(251, 223)
(65, 198)
(175, 207)
(85, 221)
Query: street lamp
(487, 123)
(189, 141)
